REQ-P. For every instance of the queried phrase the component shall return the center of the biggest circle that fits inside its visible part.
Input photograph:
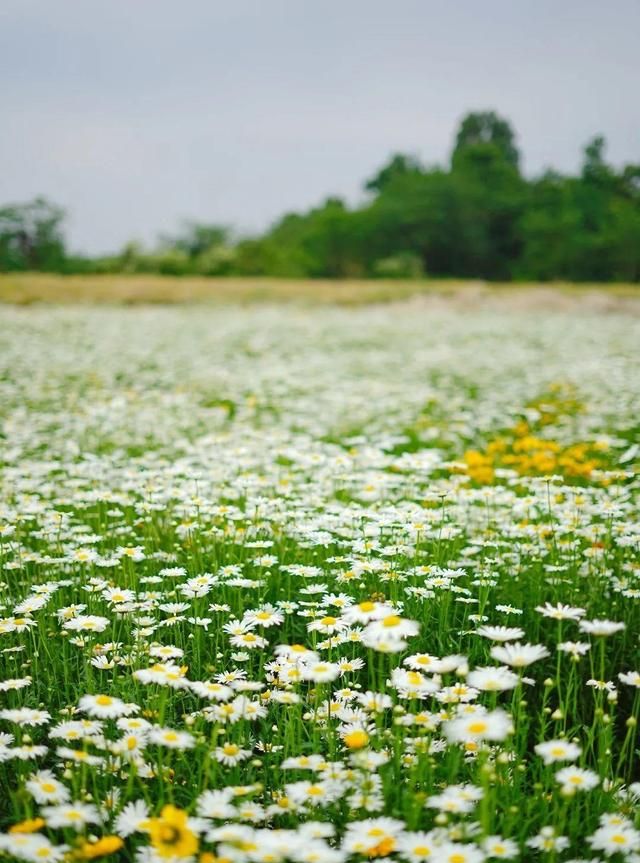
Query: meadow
(319, 584)
(126, 289)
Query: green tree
(491, 194)
(198, 248)
(551, 230)
(596, 191)
(417, 215)
(194, 238)
(485, 132)
(31, 236)
(400, 165)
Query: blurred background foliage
(478, 217)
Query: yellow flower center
(169, 835)
(356, 739)
(392, 620)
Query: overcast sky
(137, 114)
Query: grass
(30, 288)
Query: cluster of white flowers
(278, 585)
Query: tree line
(477, 217)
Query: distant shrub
(404, 265)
